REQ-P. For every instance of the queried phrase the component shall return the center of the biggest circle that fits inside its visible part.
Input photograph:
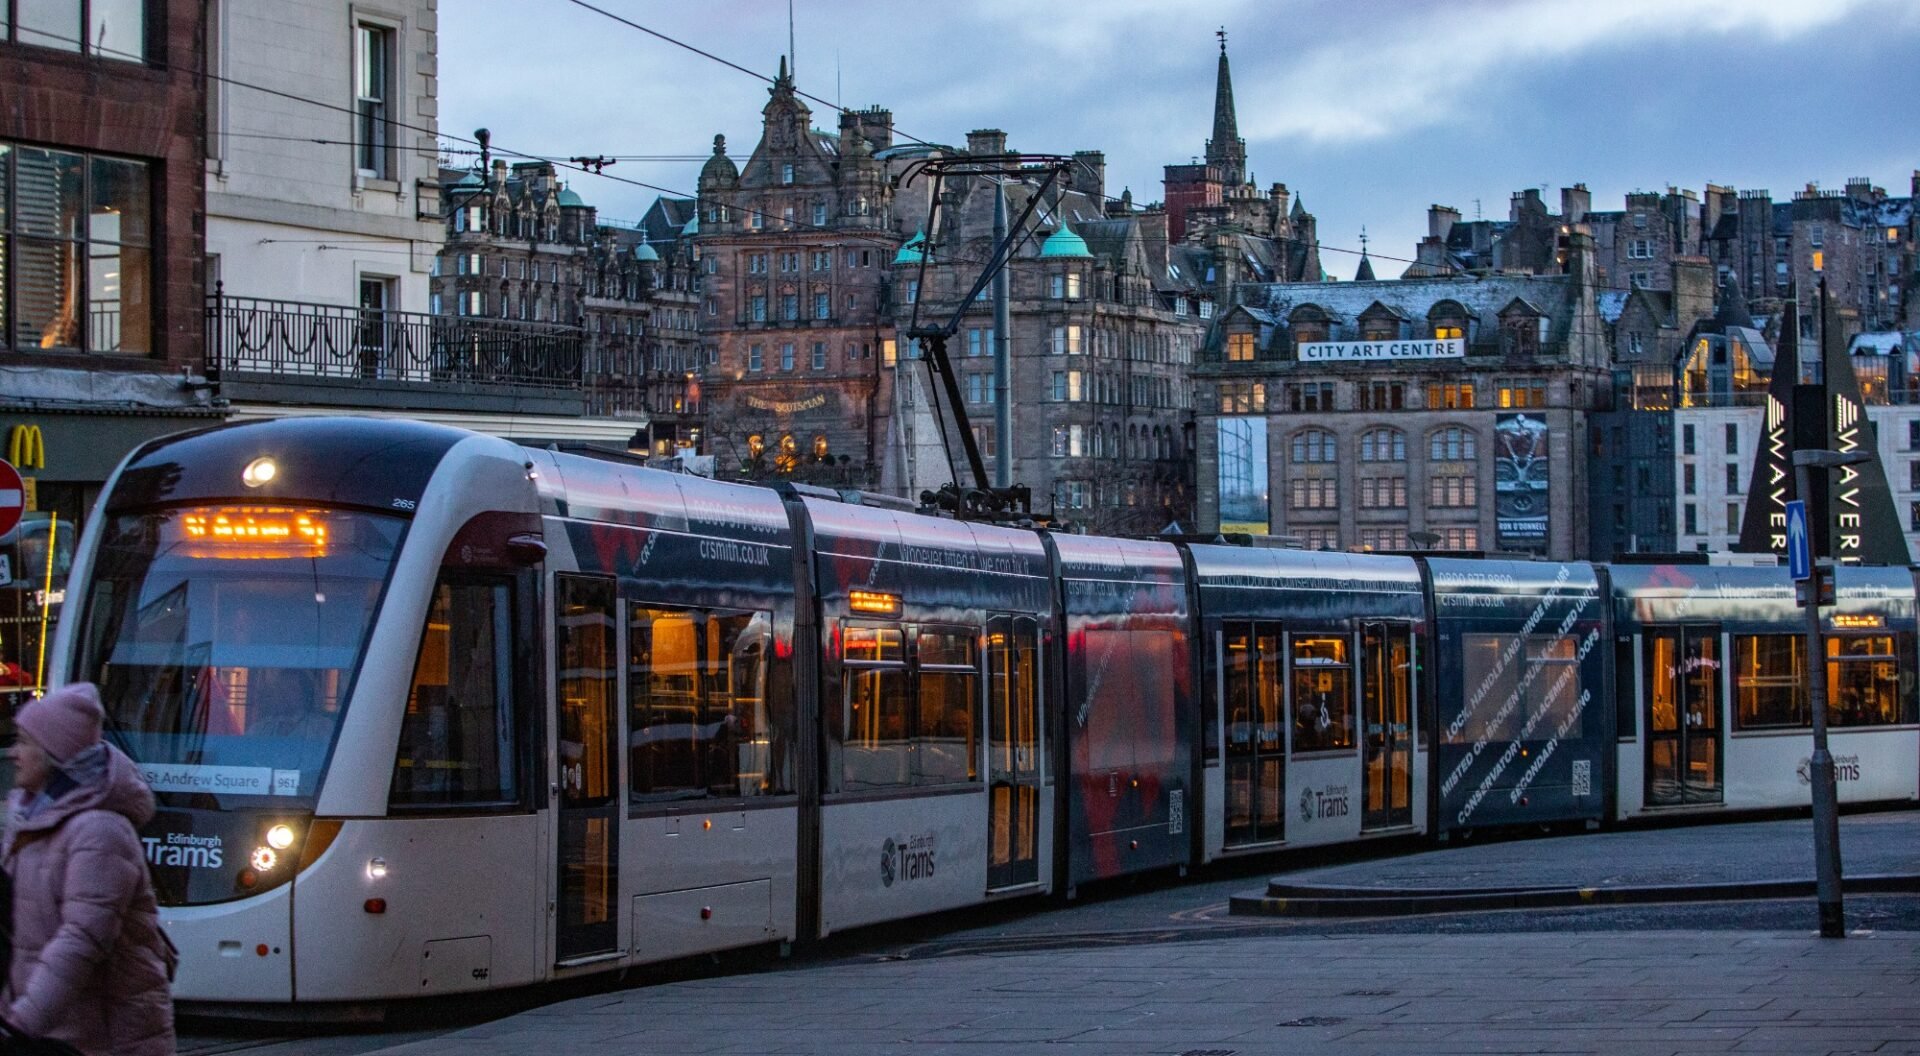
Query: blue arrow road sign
(1799, 549)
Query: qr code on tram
(1583, 777)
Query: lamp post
(1826, 807)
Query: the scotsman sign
(1435, 348)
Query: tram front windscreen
(225, 639)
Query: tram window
(696, 703)
(1554, 692)
(457, 736)
(584, 648)
(1013, 686)
(874, 752)
(946, 727)
(1322, 693)
(1490, 671)
(1769, 681)
(1237, 685)
(1864, 675)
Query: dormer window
(786, 175)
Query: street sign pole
(1826, 807)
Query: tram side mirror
(526, 549)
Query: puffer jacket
(89, 962)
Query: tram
(430, 712)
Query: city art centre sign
(1433, 348)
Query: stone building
(1215, 206)
(102, 299)
(794, 250)
(1104, 325)
(523, 246)
(1860, 239)
(1449, 412)
(102, 277)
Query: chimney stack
(986, 141)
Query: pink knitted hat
(65, 722)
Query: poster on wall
(1243, 475)
(1520, 459)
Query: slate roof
(1556, 296)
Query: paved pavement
(1159, 966)
(1740, 852)
(1619, 994)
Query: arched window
(1166, 442)
(1313, 445)
(1452, 444)
(1383, 445)
(1099, 442)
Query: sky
(1369, 110)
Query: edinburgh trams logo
(906, 861)
(185, 850)
(1329, 801)
(1845, 768)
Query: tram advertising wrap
(1524, 739)
(1129, 705)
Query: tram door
(1013, 751)
(1683, 716)
(1386, 701)
(1252, 692)
(588, 732)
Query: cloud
(1381, 78)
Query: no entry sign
(13, 497)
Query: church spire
(1226, 149)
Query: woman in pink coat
(89, 960)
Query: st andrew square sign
(1433, 348)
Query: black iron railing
(295, 341)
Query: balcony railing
(294, 341)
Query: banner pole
(46, 605)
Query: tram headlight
(376, 868)
(280, 837)
(259, 471)
(264, 859)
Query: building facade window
(1523, 393)
(1313, 493)
(1383, 445)
(1449, 396)
(1383, 493)
(1452, 444)
(1459, 538)
(786, 355)
(1310, 396)
(822, 305)
(1239, 348)
(756, 357)
(819, 355)
(1452, 491)
(373, 98)
(1313, 445)
(1243, 397)
(1383, 538)
(78, 232)
(1383, 395)
(1320, 538)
